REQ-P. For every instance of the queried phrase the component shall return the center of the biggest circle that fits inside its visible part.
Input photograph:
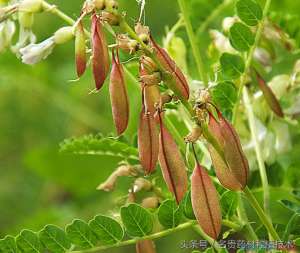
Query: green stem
(261, 214)
(210, 240)
(215, 13)
(193, 41)
(54, 10)
(249, 58)
(258, 151)
(135, 240)
(232, 225)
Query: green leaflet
(81, 234)
(249, 11)
(99, 145)
(54, 239)
(291, 205)
(169, 214)
(108, 230)
(28, 241)
(224, 95)
(229, 203)
(297, 242)
(241, 37)
(187, 206)
(137, 220)
(8, 245)
(232, 66)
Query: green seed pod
(63, 35)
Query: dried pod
(205, 202)
(148, 64)
(126, 44)
(118, 95)
(100, 57)
(232, 169)
(172, 164)
(177, 81)
(269, 96)
(148, 142)
(80, 49)
(145, 246)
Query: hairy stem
(193, 41)
(249, 58)
(261, 214)
(258, 151)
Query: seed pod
(148, 64)
(172, 164)
(145, 246)
(178, 82)
(80, 50)
(205, 202)
(269, 96)
(231, 169)
(152, 79)
(100, 61)
(118, 95)
(148, 143)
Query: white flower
(7, 30)
(34, 53)
(26, 36)
(221, 42)
(228, 22)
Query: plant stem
(258, 151)
(214, 14)
(261, 214)
(249, 58)
(193, 41)
(135, 240)
(210, 240)
(54, 10)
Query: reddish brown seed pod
(231, 168)
(118, 95)
(171, 163)
(270, 96)
(148, 142)
(145, 246)
(179, 85)
(205, 202)
(80, 50)
(100, 57)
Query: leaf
(108, 230)
(291, 205)
(169, 214)
(232, 65)
(8, 245)
(172, 164)
(205, 202)
(28, 241)
(81, 234)
(148, 142)
(241, 37)
(99, 145)
(249, 11)
(118, 95)
(137, 220)
(229, 203)
(297, 242)
(187, 207)
(54, 239)
(145, 246)
(224, 95)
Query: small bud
(26, 19)
(194, 135)
(152, 79)
(99, 4)
(150, 202)
(7, 31)
(143, 32)
(80, 49)
(148, 64)
(110, 18)
(126, 44)
(141, 184)
(31, 6)
(63, 35)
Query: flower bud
(143, 32)
(7, 31)
(99, 4)
(150, 202)
(228, 22)
(194, 135)
(63, 35)
(126, 44)
(26, 19)
(111, 5)
(148, 64)
(152, 79)
(141, 184)
(110, 18)
(31, 5)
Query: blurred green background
(39, 107)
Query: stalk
(210, 240)
(193, 41)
